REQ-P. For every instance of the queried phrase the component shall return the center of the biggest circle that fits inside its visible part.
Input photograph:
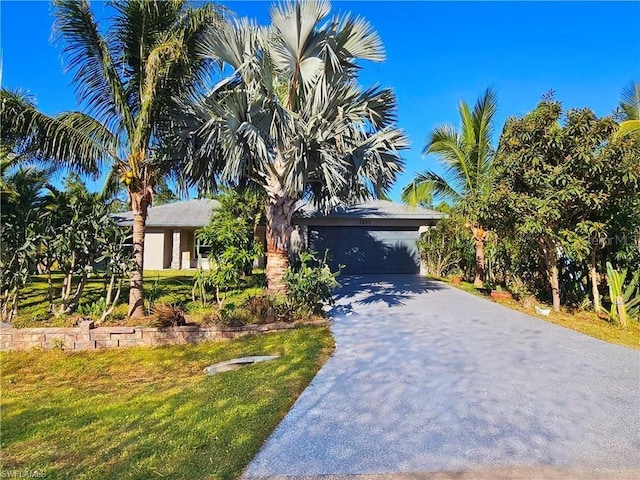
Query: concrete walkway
(427, 378)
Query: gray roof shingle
(190, 213)
(373, 209)
(197, 213)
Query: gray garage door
(368, 249)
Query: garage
(373, 237)
(367, 249)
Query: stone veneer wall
(87, 337)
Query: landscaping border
(87, 336)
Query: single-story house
(374, 237)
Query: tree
(467, 156)
(22, 198)
(128, 82)
(291, 119)
(556, 184)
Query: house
(169, 240)
(374, 237)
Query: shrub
(267, 308)
(447, 248)
(310, 286)
(625, 299)
(232, 316)
(168, 316)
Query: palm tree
(128, 81)
(467, 156)
(28, 135)
(630, 105)
(291, 119)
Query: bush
(232, 316)
(311, 286)
(447, 248)
(168, 316)
(267, 308)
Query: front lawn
(586, 322)
(161, 286)
(151, 412)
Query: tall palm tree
(630, 105)
(292, 120)
(467, 156)
(128, 81)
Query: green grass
(581, 321)
(167, 286)
(151, 412)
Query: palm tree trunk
(279, 210)
(139, 204)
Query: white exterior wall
(154, 250)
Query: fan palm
(292, 120)
(630, 105)
(128, 80)
(467, 156)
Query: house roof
(372, 209)
(197, 213)
(190, 213)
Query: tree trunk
(139, 205)
(279, 210)
(555, 287)
(551, 259)
(479, 235)
(593, 272)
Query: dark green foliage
(558, 188)
(22, 201)
(311, 286)
(447, 248)
(231, 237)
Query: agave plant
(625, 300)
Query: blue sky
(437, 54)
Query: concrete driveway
(427, 378)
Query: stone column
(175, 251)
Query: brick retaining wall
(88, 337)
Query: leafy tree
(234, 225)
(76, 220)
(291, 120)
(231, 237)
(555, 184)
(116, 260)
(467, 156)
(22, 199)
(164, 195)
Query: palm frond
(630, 102)
(73, 140)
(628, 127)
(98, 85)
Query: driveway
(427, 378)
